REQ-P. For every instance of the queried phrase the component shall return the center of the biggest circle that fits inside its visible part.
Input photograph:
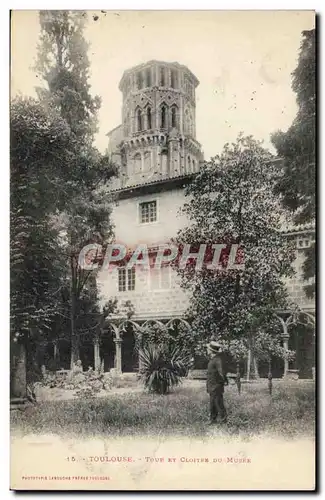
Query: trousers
(217, 405)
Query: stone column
(56, 355)
(96, 355)
(285, 338)
(118, 347)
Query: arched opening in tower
(148, 118)
(139, 120)
(163, 117)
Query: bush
(163, 367)
(89, 380)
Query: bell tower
(158, 122)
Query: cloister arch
(120, 327)
(289, 319)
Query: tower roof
(164, 63)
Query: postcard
(162, 250)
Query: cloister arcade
(115, 347)
(125, 332)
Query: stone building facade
(157, 152)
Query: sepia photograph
(163, 250)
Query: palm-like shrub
(163, 367)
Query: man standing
(216, 380)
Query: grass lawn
(289, 411)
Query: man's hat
(214, 346)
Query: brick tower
(157, 139)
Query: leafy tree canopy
(297, 147)
(231, 200)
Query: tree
(37, 138)
(297, 147)
(63, 64)
(231, 202)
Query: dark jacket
(216, 376)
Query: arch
(130, 335)
(149, 120)
(163, 116)
(115, 329)
(139, 120)
(174, 116)
(153, 322)
(181, 321)
(127, 322)
(193, 166)
(107, 346)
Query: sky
(243, 60)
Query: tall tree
(231, 201)
(297, 147)
(37, 138)
(63, 64)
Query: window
(174, 117)
(173, 78)
(148, 78)
(139, 120)
(163, 117)
(148, 118)
(131, 279)
(162, 77)
(126, 279)
(160, 279)
(148, 212)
